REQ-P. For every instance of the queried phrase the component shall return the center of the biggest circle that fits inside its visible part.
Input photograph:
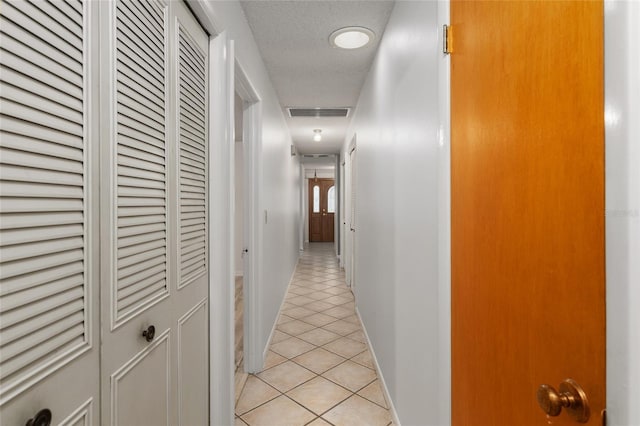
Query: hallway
(319, 369)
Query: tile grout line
(313, 268)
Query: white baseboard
(385, 391)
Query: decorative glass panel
(331, 201)
(316, 199)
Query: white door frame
(351, 262)
(342, 219)
(221, 235)
(252, 265)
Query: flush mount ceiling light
(317, 136)
(351, 37)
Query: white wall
(622, 114)
(397, 232)
(277, 183)
(389, 122)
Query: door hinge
(447, 38)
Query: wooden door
(154, 241)
(527, 206)
(322, 202)
(49, 324)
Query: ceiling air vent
(318, 112)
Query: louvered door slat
(48, 317)
(144, 15)
(192, 117)
(141, 158)
(192, 159)
(129, 45)
(75, 4)
(147, 69)
(41, 248)
(34, 310)
(135, 152)
(24, 15)
(133, 135)
(198, 160)
(34, 160)
(26, 144)
(196, 58)
(193, 133)
(39, 75)
(144, 37)
(193, 97)
(191, 145)
(27, 83)
(25, 282)
(69, 10)
(136, 83)
(38, 292)
(55, 14)
(192, 120)
(39, 52)
(129, 303)
(13, 221)
(37, 117)
(43, 176)
(19, 174)
(191, 112)
(134, 66)
(61, 342)
(127, 181)
(196, 133)
(52, 108)
(35, 338)
(194, 166)
(188, 175)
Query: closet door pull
(42, 418)
(149, 333)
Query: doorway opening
(322, 209)
(239, 246)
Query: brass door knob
(570, 396)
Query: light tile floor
(319, 370)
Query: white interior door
(48, 293)
(154, 215)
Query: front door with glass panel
(322, 208)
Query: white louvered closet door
(190, 304)
(49, 334)
(154, 253)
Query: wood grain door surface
(527, 208)
(321, 220)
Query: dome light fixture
(317, 135)
(351, 37)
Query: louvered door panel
(141, 158)
(44, 305)
(192, 159)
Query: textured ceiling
(293, 38)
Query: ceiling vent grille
(318, 112)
